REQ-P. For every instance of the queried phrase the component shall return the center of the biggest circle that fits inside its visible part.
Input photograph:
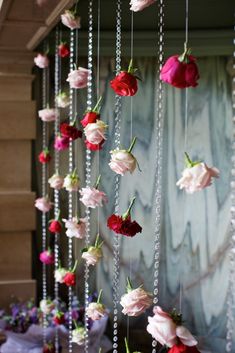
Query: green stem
(74, 267)
(129, 285)
(127, 213)
(132, 145)
(97, 182)
(75, 324)
(58, 215)
(75, 66)
(100, 350)
(97, 241)
(76, 7)
(130, 67)
(74, 172)
(99, 296)
(126, 345)
(97, 106)
(189, 163)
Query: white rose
(122, 162)
(92, 256)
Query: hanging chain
(88, 165)
(159, 151)
(70, 194)
(117, 141)
(231, 284)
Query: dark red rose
(58, 319)
(63, 50)
(55, 226)
(89, 118)
(49, 348)
(181, 348)
(124, 84)
(93, 147)
(44, 157)
(123, 226)
(70, 279)
(70, 131)
(180, 72)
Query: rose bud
(59, 274)
(47, 257)
(78, 78)
(72, 181)
(75, 227)
(59, 319)
(123, 224)
(47, 114)
(125, 83)
(139, 5)
(92, 115)
(43, 204)
(55, 225)
(135, 301)
(70, 19)
(61, 143)
(70, 277)
(56, 181)
(92, 197)
(93, 254)
(62, 100)
(78, 336)
(46, 306)
(49, 348)
(41, 61)
(196, 176)
(96, 310)
(63, 50)
(123, 161)
(180, 70)
(44, 157)
(181, 348)
(70, 131)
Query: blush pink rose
(94, 132)
(162, 328)
(122, 162)
(135, 302)
(197, 178)
(75, 227)
(62, 100)
(43, 204)
(185, 336)
(70, 20)
(91, 197)
(47, 257)
(47, 114)
(41, 61)
(139, 5)
(56, 181)
(78, 78)
(61, 143)
(60, 274)
(71, 182)
(92, 256)
(95, 311)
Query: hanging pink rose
(185, 336)
(94, 132)
(47, 257)
(135, 301)
(139, 5)
(56, 181)
(122, 162)
(78, 78)
(41, 61)
(75, 227)
(70, 19)
(95, 311)
(91, 197)
(71, 182)
(62, 100)
(43, 204)
(61, 143)
(196, 176)
(162, 327)
(47, 114)
(92, 255)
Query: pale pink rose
(197, 178)
(78, 78)
(62, 100)
(56, 181)
(122, 162)
(94, 132)
(46, 306)
(70, 20)
(162, 328)
(47, 114)
(92, 256)
(135, 302)
(41, 60)
(43, 204)
(75, 227)
(95, 311)
(78, 336)
(71, 182)
(91, 197)
(47, 257)
(139, 5)
(59, 274)
(185, 336)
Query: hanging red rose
(44, 157)
(49, 348)
(92, 115)
(55, 226)
(181, 348)
(70, 131)
(70, 277)
(59, 319)
(180, 71)
(125, 83)
(63, 50)
(123, 224)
